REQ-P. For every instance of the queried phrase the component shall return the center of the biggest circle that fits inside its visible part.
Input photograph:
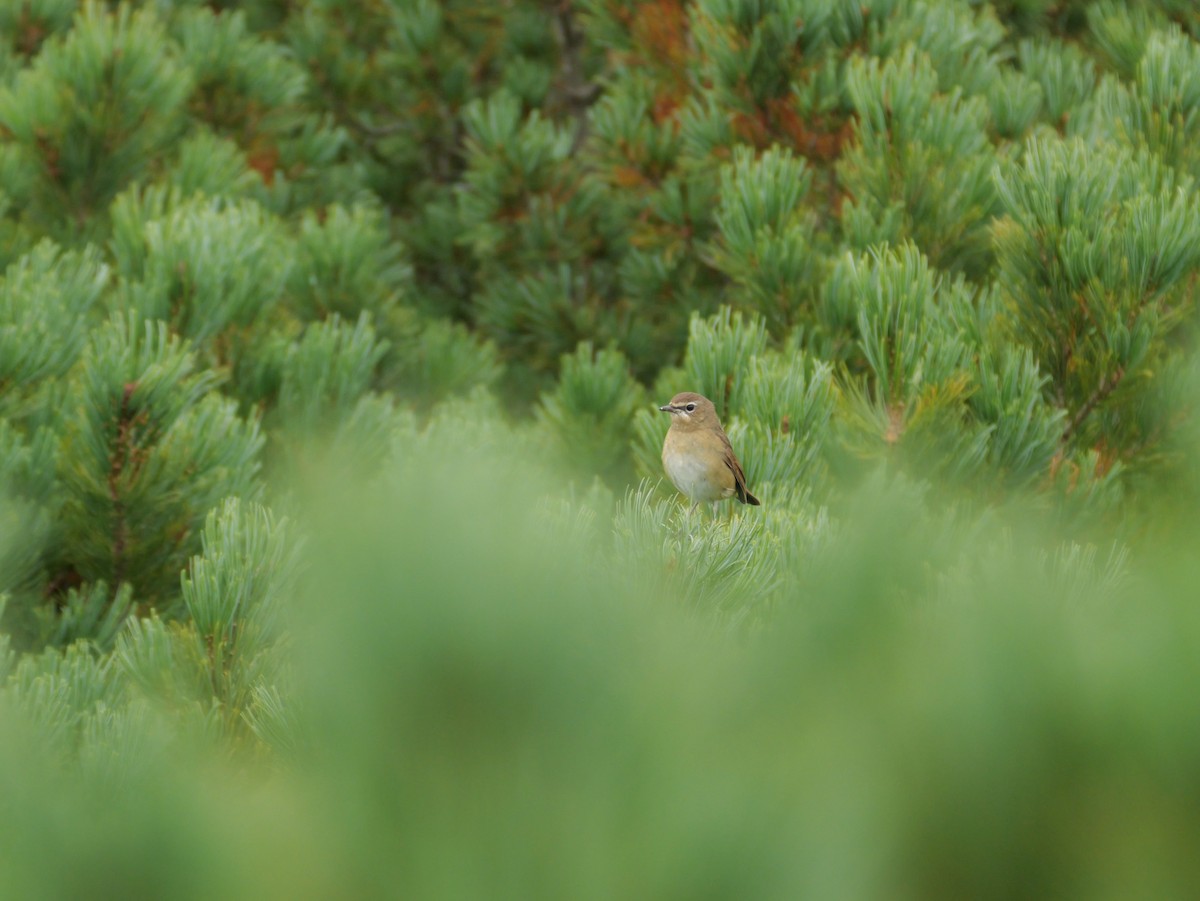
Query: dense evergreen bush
(334, 551)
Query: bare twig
(377, 131)
(577, 93)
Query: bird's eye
(691, 408)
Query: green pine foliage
(91, 112)
(202, 266)
(766, 241)
(589, 415)
(919, 166)
(148, 448)
(345, 263)
(1098, 256)
(332, 338)
(48, 298)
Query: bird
(697, 455)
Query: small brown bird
(697, 455)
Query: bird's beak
(667, 408)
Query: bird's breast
(696, 469)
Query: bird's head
(691, 411)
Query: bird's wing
(739, 477)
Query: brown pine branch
(120, 455)
(1103, 390)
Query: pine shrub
(335, 548)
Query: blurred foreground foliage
(334, 552)
(482, 695)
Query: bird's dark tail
(746, 497)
